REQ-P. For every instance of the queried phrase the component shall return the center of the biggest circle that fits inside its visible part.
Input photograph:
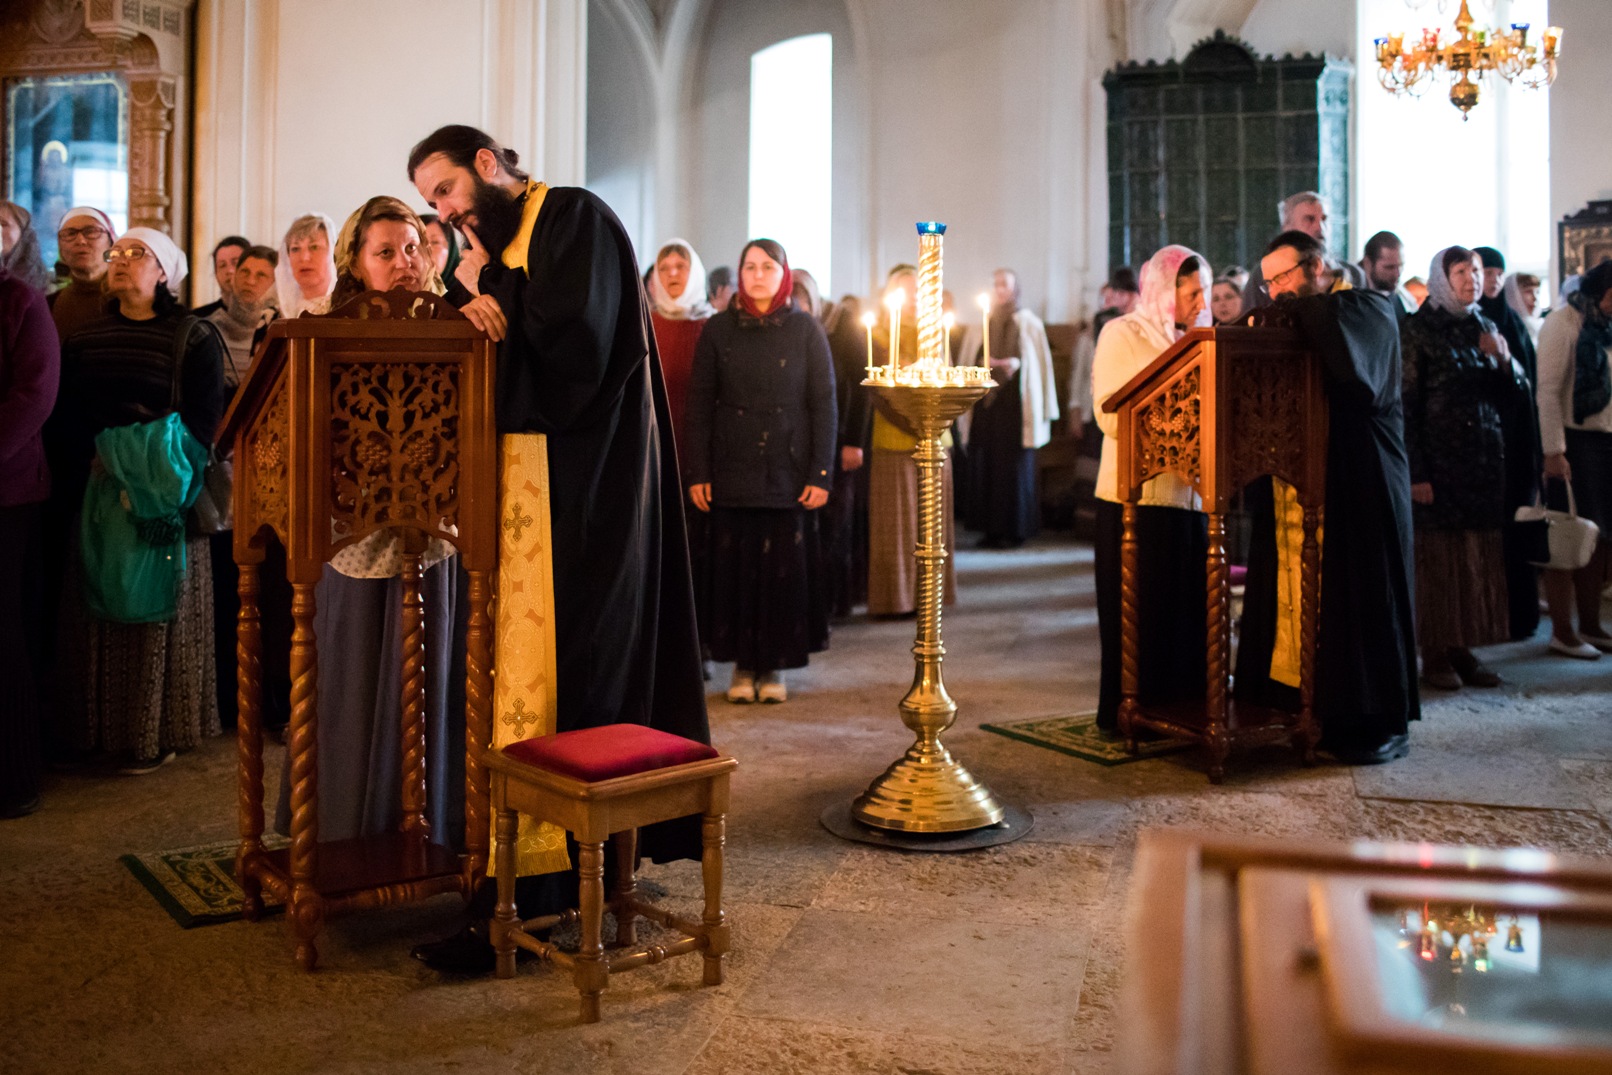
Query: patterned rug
(196, 885)
(1077, 735)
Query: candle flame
(896, 299)
(984, 300)
(949, 319)
(869, 319)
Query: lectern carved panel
(393, 447)
(269, 443)
(1267, 413)
(1168, 430)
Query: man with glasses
(1304, 212)
(84, 236)
(1366, 689)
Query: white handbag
(1572, 539)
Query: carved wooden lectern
(379, 416)
(1220, 408)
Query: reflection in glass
(67, 139)
(1448, 965)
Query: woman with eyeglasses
(139, 691)
(82, 239)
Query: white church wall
(309, 105)
(1581, 162)
(988, 119)
(621, 149)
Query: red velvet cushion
(604, 753)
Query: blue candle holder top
(931, 227)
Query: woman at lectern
(358, 620)
(1171, 531)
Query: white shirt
(1128, 346)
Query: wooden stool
(595, 783)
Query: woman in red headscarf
(760, 425)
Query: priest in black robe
(1366, 688)
(555, 283)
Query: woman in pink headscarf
(1171, 531)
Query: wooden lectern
(379, 416)
(1220, 408)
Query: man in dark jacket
(576, 362)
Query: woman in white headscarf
(1461, 391)
(142, 690)
(678, 313)
(1171, 530)
(306, 274)
(1522, 295)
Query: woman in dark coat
(761, 426)
(1463, 399)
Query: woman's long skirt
(1171, 580)
(893, 533)
(1461, 596)
(358, 628)
(765, 606)
(152, 687)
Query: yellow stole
(1289, 571)
(524, 703)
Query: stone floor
(846, 958)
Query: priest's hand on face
(701, 495)
(1422, 492)
(472, 259)
(813, 497)
(485, 313)
(850, 458)
(1556, 467)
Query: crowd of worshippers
(1455, 401)
(799, 489)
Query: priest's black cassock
(1366, 687)
(579, 365)
(1523, 463)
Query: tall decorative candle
(931, 236)
(895, 300)
(868, 320)
(948, 322)
(985, 325)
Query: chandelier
(1412, 66)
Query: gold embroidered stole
(524, 703)
(1289, 570)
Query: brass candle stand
(927, 795)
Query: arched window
(791, 149)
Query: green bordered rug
(196, 885)
(1077, 735)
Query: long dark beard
(498, 215)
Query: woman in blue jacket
(760, 455)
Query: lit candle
(868, 321)
(896, 300)
(948, 321)
(1553, 40)
(985, 324)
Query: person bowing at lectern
(554, 282)
(1365, 691)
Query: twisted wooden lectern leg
(478, 726)
(306, 908)
(1218, 625)
(1129, 624)
(1309, 731)
(249, 739)
(413, 737)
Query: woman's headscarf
(381, 207)
(292, 303)
(450, 238)
(1157, 304)
(1440, 293)
(94, 214)
(24, 260)
(691, 305)
(172, 259)
(786, 286)
(1514, 299)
